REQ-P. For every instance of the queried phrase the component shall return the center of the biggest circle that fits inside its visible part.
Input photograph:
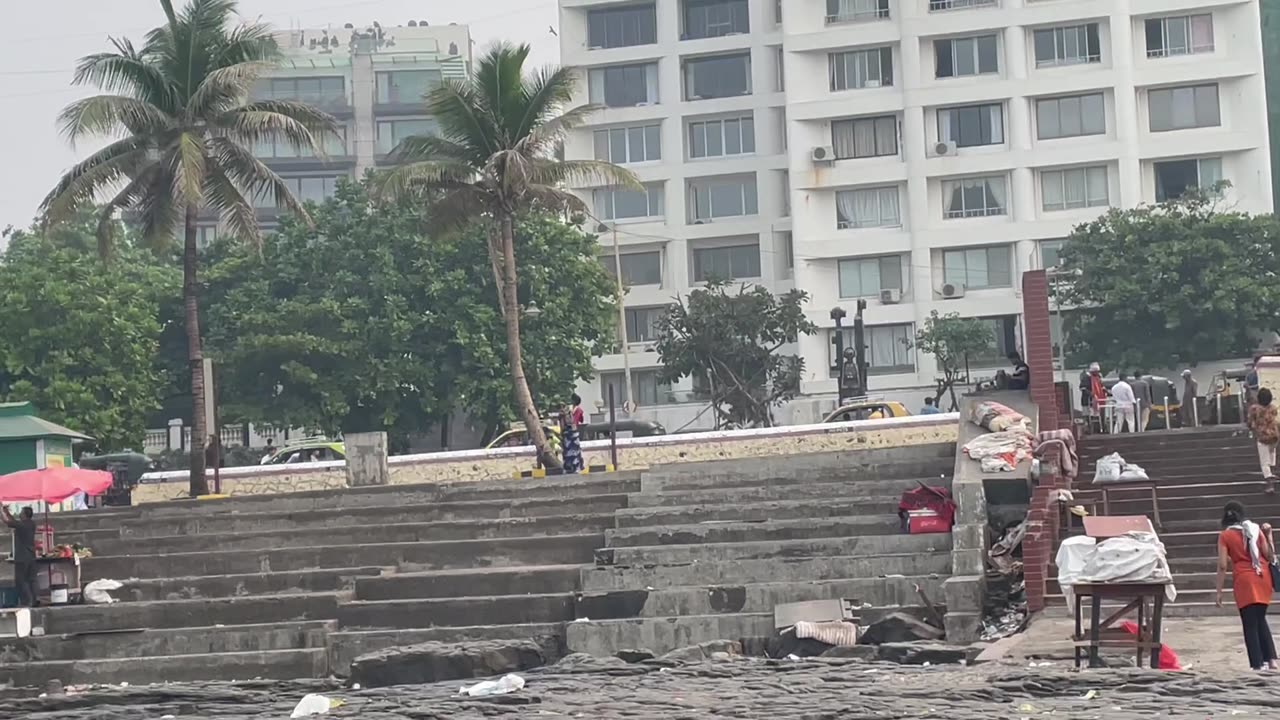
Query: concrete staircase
(296, 586)
(706, 551)
(1199, 470)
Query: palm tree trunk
(511, 313)
(195, 354)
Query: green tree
(727, 338)
(1171, 284)
(182, 128)
(495, 158)
(79, 338)
(364, 322)
(952, 340)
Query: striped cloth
(834, 632)
(1069, 461)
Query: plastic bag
(1133, 473)
(313, 704)
(1109, 468)
(507, 684)
(96, 591)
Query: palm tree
(182, 128)
(495, 156)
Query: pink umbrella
(52, 484)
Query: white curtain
(1051, 191)
(595, 86)
(844, 138)
(1201, 33)
(944, 126)
(864, 138)
(867, 207)
(1074, 188)
(996, 116)
(953, 192)
(889, 213)
(847, 207)
(651, 82)
(996, 189)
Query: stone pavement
(1200, 642)
(739, 688)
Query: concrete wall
(633, 454)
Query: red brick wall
(1042, 526)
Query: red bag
(1168, 658)
(926, 510)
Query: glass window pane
(1069, 115)
(715, 139)
(601, 143)
(732, 138)
(988, 62)
(748, 135)
(653, 142)
(1045, 53)
(966, 56)
(618, 145)
(1094, 115)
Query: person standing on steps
(1247, 549)
(1262, 422)
(571, 420)
(1190, 391)
(24, 553)
(1126, 406)
(1142, 392)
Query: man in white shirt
(1126, 406)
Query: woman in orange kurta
(1245, 549)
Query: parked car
(867, 410)
(316, 449)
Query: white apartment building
(919, 154)
(373, 80)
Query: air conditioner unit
(951, 291)
(944, 149)
(823, 154)
(890, 296)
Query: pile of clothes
(1008, 441)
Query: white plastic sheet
(1072, 556)
(1136, 557)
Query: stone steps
(254, 610)
(776, 550)
(767, 493)
(359, 534)
(835, 506)
(457, 611)
(451, 554)
(718, 533)
(535, 580)
(194, 668)
(844, 466)
(786, 569)
(346, 645)
(752, 597)
(607, 637)
(168, 641)
(291, 582)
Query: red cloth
(53, 484)
(579, 418)
(928, 498)
(1168, 658)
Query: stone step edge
(238, 576)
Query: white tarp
(1136, 557)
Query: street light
(532, 311)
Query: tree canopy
(78, 338)
(1170, 285)
(952, 340)
(727, 338)
(364, 321)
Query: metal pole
(839, 360)
(622, 323)
(613, 431)
(1167, 425)
(1195, 411)
(860, 346)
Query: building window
(841, 11)
(1003, 340)
(785, 184)
(305, 189)
(334, 144)
(722, 136)
(641, 143)
(1070, 45)
(865, 137)
(975, 197)
(642, 324)
(720, 197)
(623, 204)
(977, 268)
(961, 57)
(1184, 107)
(732, 262)
(972, 125)
(1070, 116)
(639, 268)
(206, 235)
(1050, 253)
(1179, 35)
(717, 76)
(622, 26)
(645, 388)
(1074, 188)
(1175, 177)
(715, 18)
(323, 92)
(890, 349)
(407, 87)
(393, 132)
(859, 69)
(868, 208)
(866, 277)
(939, 5)
(624, 85)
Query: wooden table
(1102, 634)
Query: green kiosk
(28, 442)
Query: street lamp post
(838, 314)
(622, 317)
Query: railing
(853, 16)
(156, 441)
(943, 5)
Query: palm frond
(499, 81)
(127, 72)
(299, 124)
(157, 211)
(101, 170)
(405, 179)
(459, 207)
(253, 177)
(458, 109)
(189, 161)
(423, 148)
(225, 88)
(232, 206)
(545, 94)
(130, 196)
(542, 139)
(581, 173)
(550, 197)
(111, 115)
(251, 42)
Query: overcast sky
(46, 37)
